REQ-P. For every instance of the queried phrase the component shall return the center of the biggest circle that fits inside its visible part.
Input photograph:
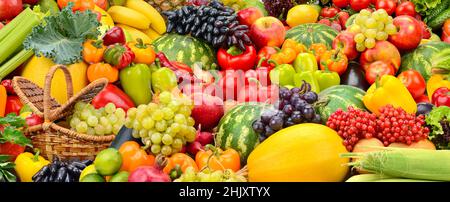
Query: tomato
(325, 21)
(341, 3)
(343, 17)
(414, 82)
(218, 159)
(10, 9)
(133, 156)
(388, 5)
(422, 98)
(377, 70)
(406, 8)
(358, 5)
(182, 160)
(103, 4)
(329, 12)
(79, 5)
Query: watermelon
(187, 50)
(312, 33)
(341, 96)
(427, 57)
(235, 128)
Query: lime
(88, 170)
(121, 176)
(108, 161)
(93, 177)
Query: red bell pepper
(13, 105)
(264, 56)
(112, 94)
(441, 97)
(114, 35)
(235, 59)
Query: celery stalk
(15, 39)
(14, 62)
(15, 23)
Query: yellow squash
(300, 153)
(37, 68)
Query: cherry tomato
(377, 70)
(341, 3)
(388, 5)
(329, 12)
(358, 5)
(325, 21)
(343, 17)
(406, 8)
(414, 82)
(10, 9)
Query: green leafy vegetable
(12, 131)
(438, 120)
(13, 120)
(5, 169)
(60, 37)
(424, 6)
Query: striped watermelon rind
(339, 97)
(235, 128)
(426, 57)
(186, 49)
(312, 33)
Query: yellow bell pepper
(436, 81)
(389, 90)
(28, 164)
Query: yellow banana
(130, 17)
(152, 34)
(135, 33)
(158, 23)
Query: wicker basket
(54, 139)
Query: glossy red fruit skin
(409, 33)
(344, 41)
(33, 120)
(406, 8)
(388, 5)
(378, 69)
(329, 12)
(114, 35)
(194, 147)
(358, 5)
(7, 83)
(249, 15)
(341, 3)
(207, 111)
(441, 97)
(414, 82)
(10, 9)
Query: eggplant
(354, 76)
(41, 173)
(125, 134)
(61, 175)
(424, 108)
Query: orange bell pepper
(318, 49)
(133, 156)
(182, 160)
(102, 70)
(285, 56)
(143, 52)
(93, 51)
(2, 100)
(216, 159)
(335, 60)
(298, 47)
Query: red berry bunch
(353, 125)
(395, 125)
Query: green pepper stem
(377, 81)
(260, 62)
(36, 156)
(234, 51)
(270, 61)
(97, 44)
(140, 44)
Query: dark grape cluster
(214, 23)
(294, 107)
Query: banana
(130, 17)
(158, 23)
(152, 34)
(135, 33)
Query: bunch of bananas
(139, 19)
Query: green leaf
(8, 176)
(60, 37)
(11, 134)
(4, 158)
(13, 120)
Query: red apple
(249, 15)
(207, 110)
(383, 51)
(344, 41)
(267, 31)
(409, 33)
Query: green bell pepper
(136, 81)
(305, 62)
(282, 75)
(307, 76)
(327, 78)
(163, 79)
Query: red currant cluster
(353, 125)
(392, 125)
(395, 125)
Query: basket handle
(47, 89)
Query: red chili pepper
(264, 55)
(13, 105)
(114, 35)
(441, 97)
(118, 55)
(173, 65)
(235, 59)
(112, 94)
(7, 83)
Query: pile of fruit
(230, 90)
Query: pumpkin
(300, 153)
